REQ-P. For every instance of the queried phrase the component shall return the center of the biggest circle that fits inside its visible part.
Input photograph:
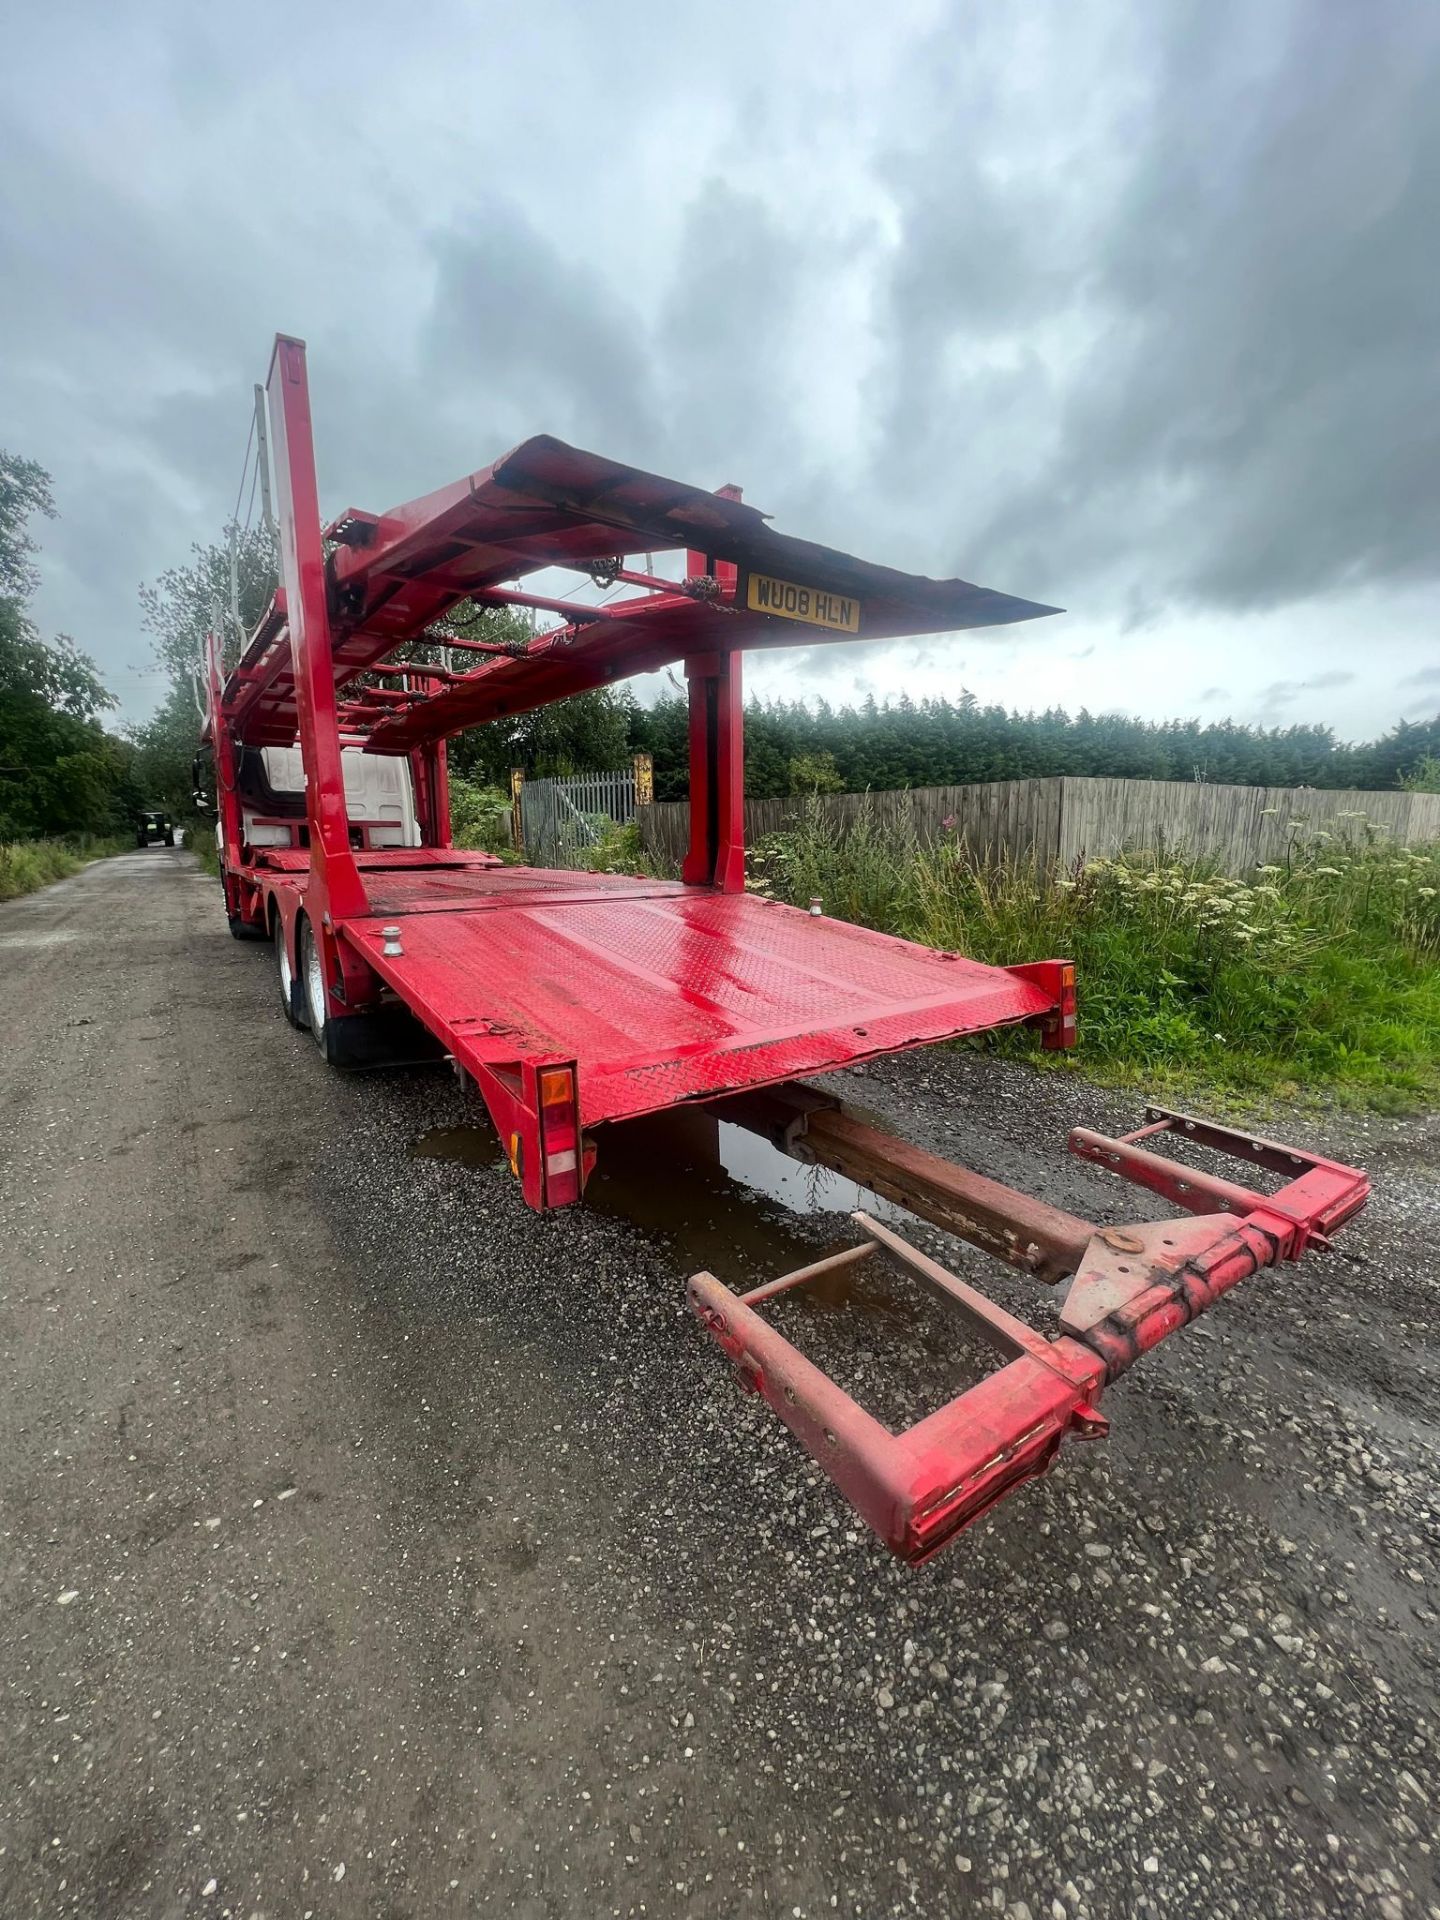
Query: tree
(953, 742)
(815, 773)
(164, 751)
(588, 733)
(24, 491)
(180, 607)
(60, 772)
(55, 672)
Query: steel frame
(1133, 1287)
(570, 1001)
(319, 669)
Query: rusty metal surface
(1043, 1241)
(1183, 1186)
(1134, 1286)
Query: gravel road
(374, 1548)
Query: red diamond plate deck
(662, 993)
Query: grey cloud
(1283, 693)
(525, 322)
(726, 331)
(1238, 362)
(1130, 309)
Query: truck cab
(379, 799)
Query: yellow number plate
(814, 605)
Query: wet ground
(372, 1547)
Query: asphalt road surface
(372, 1547)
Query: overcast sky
(1133, 308)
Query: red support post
(335, 888)
(440, 789)
(429, 775)
(227, 798)
(717, 774)
(717, 749)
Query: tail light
(559, 1135)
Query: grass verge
(1318, 977)
(200, 839)
(28, 865)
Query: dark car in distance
(153, 826)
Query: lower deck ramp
(662, 993)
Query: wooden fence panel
(1238, 827)
(1085, 819)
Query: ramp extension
(1133, 1286)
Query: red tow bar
(1134, 1285)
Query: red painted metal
(334, 882)
(544, 505)
(227, 799)
(573, 1000)
(662, 993)
(1134, 1286)
(1057, 978)
(652, 994)
(919, 1488)
(716, 856)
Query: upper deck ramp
(391, 577)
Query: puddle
(727, 1201)
(464, 1146)
(723, 1198)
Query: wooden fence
(1064, 820)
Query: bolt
(1122, 1242)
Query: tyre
(312, 983)
(170, 839)
(292, 1000)
(244, 929)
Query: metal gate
(563, 821)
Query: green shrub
(480, 818)
(1320, 971)
(26, 865)
(618, 850)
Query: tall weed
(28, 865)
(1322, 970)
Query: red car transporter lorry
(576, 1001)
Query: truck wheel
(244, 929)
(292, 1001)
(312, 980)
(170, 839)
